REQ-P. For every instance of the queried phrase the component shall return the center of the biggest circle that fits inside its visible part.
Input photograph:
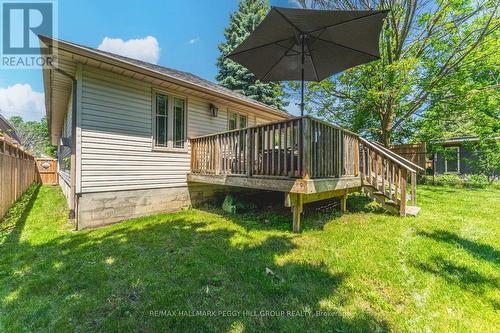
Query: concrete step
(412, 210)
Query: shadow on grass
(457, 274)
(478, 250)
(12, 224)
(138, 275)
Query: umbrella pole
(302, 81)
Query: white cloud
(145, 49)
(194, 40)
(22, 100)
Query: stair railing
(388, 173)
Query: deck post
(249, 159)
(413, 188)
(402, 207)
(297, 207)
(343, 203)
(306, 150)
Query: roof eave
(81, 51)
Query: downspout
(73, 195)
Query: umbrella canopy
(310, 45)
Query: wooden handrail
(398, 157)
(385, 154)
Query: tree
(424, 44)
(34, 135)
(469, 106)
(236, 77)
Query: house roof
(465, 139)
(6, 127)
(191, 80)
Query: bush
(450, 179)
(476, 181)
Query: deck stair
(384, 176)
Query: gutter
(73, 195)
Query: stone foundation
(98, 209)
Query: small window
(233, 122)
(452, 160)
(243, 121)
(170, 121)
(237, 121)
(161, 120)
(179, 123)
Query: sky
(180, 34)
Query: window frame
(238, 115)
(170, 121)
(457, 148)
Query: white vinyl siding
(117, 135)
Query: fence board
(17, 173)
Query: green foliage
(486, 154)
(431, 55)
(34, 136)
(236, 77)
(472, 181)
(477, 181)
(234, 203)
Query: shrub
(476, 181)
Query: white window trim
(170, 122)
(238, 114)
(446, 160)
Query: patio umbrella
(310, 45)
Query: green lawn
(365, 271)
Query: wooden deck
(307, 159)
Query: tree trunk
(386, 127)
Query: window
(237, 121)
(233, 123)
(161, 120)
(170, 121)
(243, 121)
(452, 160)
(179, 123)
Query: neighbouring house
(136, 139)
(456, 156)
(7, 128)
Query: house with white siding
(122, 127)
(136, 139)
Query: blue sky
(187, 33)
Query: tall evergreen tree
(236, 77)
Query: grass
(361, 271)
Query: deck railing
(388, 173)
(301, 147)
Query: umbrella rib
(272, 67)
(343, 22)
(287, 20)
(256, 47)
(312, 60)
(347, 47)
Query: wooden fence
(47, 171)
(413, 152)
(17, 173)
